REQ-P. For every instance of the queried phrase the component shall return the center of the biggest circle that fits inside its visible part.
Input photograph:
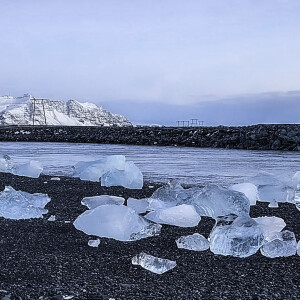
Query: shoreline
(40, 259)
(284, 137)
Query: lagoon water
(190, 165)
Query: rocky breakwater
(255, 137)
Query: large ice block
(30, 169)
(93, 202)
(115, 221)
(270, 226)
(236, 236)
(21, 205)
(153, 264)
(131, 177)
(195, 242)
(247, 188)
(214, 201)
(182, 215)
(283, 244)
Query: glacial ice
(247, 188)
(282, 244)
(196, 242)
(6, 164)
(138, 205)
(183, 215)
(298, 248)
(21, 205)
(271, 189)
(270, 226)
(153, 264)
(94, 243)
(30, 169)
(115, 221)
(52, 218)
(236, 236)
(131, 177)
(214, 201)
(93, 202)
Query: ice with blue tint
(298, 248)
(94, 243)
(183, 215)
(6, 164)
(214, 201)
(247, 188)
(21, 205)
(93, 202)
(30, 169)
(131, 177)
(138, 205)
(153, 264)
(270, 226)
(272, 189)
(282, 244)
(236, 236)
(195, 242)
(115, 221)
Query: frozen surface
(190, 165)
(196, 242)
(131, 177)
(153, 264)
(31, 169)
(247, 188)
(93, 202)
(21, 205)
(270, 226)
(236, 236)
(283, 244)
(115, 221)
(94, 243)
(138, 205)
(214, 201)
(182, 215)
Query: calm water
(201, 165)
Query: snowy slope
(22, 111)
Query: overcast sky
(169, 52)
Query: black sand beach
(40, 259)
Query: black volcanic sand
(40, 259)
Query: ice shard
(248, 189)
(138, 205)
(94, 243)
(195, 242)
(153, 264)
(283, 244)
(115, 221)
(30, 169)
(236, 236)
(182, 215)
(21, 205)
(93, 202)
(270, 226)
(214, 201)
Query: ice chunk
(172, 193)
(131, 177)
(283, 244)
(214, 201)
(138, 205)
(273, 204)
(55, 178)
(271, 189)
(115, 221)
(150, 230)
(182, 215)
(51, 218)
(296, 179)
(153, 264)
(298, 248)
(270, 226)
(30, 169)
(92, 202)
(94, 243)
(236, 236)
(247, 188)
(196, 242)
(6, 164)
(93, 170)
(21, 205)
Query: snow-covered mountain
(27, 110)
